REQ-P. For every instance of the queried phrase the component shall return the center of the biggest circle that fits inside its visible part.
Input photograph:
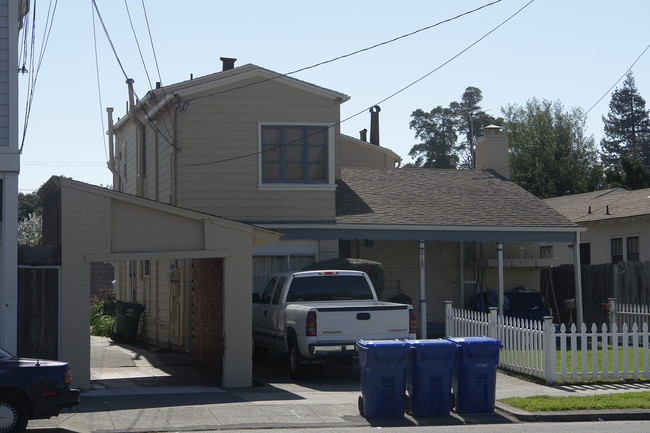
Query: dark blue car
(32, 389)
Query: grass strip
(544, 403)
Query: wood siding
(357, 153)
(225, 128)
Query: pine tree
(437, 132)
(627, 127)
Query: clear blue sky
(571, 51)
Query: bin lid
(431, 342)
(484, 341)
(383, 343)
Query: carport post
(423, 294)
(577, 275)
(500, 260)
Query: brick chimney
(492, 151)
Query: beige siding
(401, 263)
(225, 126)
(357, 153)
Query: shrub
(375, 270)
(102, 316)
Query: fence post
(612, 311)
(549, 349)
(448, 317)
(492, 322)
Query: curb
(564, 416)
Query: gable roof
(439, 197)
(157, 99)
(435, 205)
(603, 205)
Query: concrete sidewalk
(163, 392)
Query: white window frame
(330, 183)
(624, 251)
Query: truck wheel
(13, 414)
(297, 365)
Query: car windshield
(4, 354)
(329, 288)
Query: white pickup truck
(319, 315)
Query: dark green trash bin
(127, 316)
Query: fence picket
(615, 364)
(529, 346)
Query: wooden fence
(627, 282)
(544, 350)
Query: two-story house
(262, 148)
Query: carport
(95, 224)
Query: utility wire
(617, 81)
(35, 69)
(108, 37)
(99, 88)
(137, 43)
(349, 54)
(144, 65)
(383, 100)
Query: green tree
(627, 127)
(631, 175)
(28, 205)
(471, 119)
(550, 155)
(437, 132)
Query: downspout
(500, 261)
(423, 293)
(111, 147)
(139, 141)
(577, 275)
(172, 198)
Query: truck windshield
(329, 288)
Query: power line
(108, 37)
(99, 88)
(383, 100)
(35, 69)
(137, 43)
(349, 54)
(617, 81)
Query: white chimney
(492, 151)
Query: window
(146, 268)
(265, 266)
(294, 154)
(632, 249)
(546, 252)
(625, 249)
(617, 250)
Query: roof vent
(374, 124)
(607, 210)
(228, 63)
(363, 135)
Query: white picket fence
(531, 346)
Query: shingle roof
(603, 205)
(437, 197)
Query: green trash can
(127, 317)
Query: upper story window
(295, 154)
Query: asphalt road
(574, 427)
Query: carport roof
(435, 204)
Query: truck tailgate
(354, 322)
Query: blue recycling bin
(475, 374)
(383, 366)
(429, 376)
